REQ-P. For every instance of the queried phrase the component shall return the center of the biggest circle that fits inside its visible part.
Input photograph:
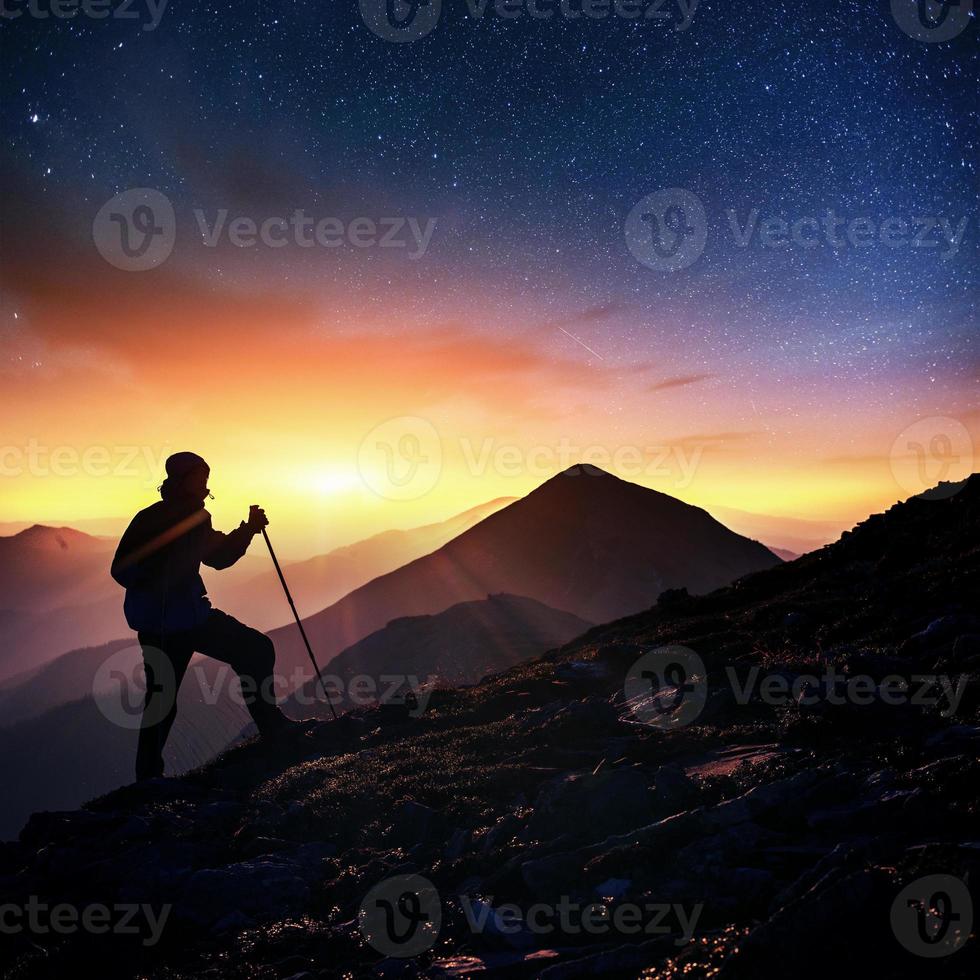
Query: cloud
(680, 381)
(591, 314)
(713, 439)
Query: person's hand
(256, 519)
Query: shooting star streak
(577, 341)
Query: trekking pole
(299, 623)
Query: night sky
(530, 142)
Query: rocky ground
(769, 837)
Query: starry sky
(772, 380)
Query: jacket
(158, 562)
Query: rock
(508, 826)
(592, 806)
(48, 826)
(233, 922)
(487, 922)
(491, 964)
(264, 890)
(613, 888)
(626, 960)
(591, 717)
(967, 645)
(673, 598)
(581, 670)
(675, 789)
(822, 923)
(457, 844)
(557, 874)
(940, 631)
(955, 736)
(413, 823)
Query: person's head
(187, 478)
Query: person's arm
(223, 550)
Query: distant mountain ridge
(584, 541)
(56, 594)
(319, 581)
(457, 646)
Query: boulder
(592, 806)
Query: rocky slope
(779, 834)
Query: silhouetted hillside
(782, 835)
(458, 646)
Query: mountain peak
(585, 469)
(51, 538)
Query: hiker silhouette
(158, 562)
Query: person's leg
(165, 660)
(252, 656)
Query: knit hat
(181, 465)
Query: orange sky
(282, 407)
(282, 383)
